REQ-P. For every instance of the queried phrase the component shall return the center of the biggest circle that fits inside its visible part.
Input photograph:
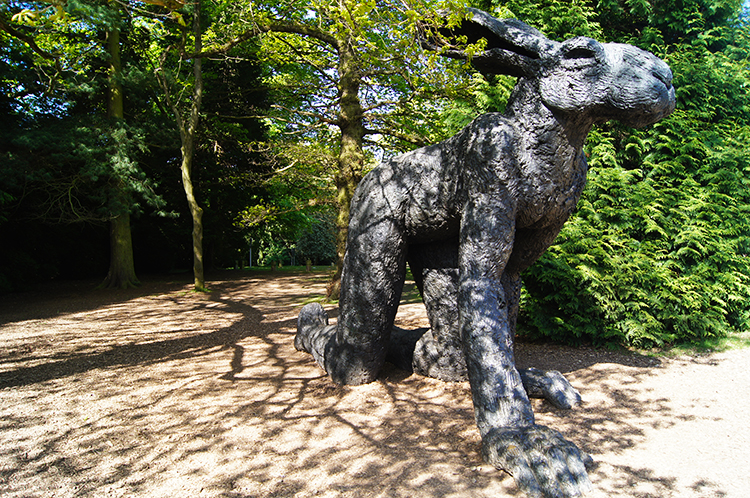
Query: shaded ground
(164, 392)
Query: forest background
(149, 137)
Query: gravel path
(160, 391)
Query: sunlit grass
(712, 345)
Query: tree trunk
(188, 153)
(121, 273)
(188, 127)
(351, 157)
(196, 212)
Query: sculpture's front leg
(542, 462)
(353, 351)
(485, 246)
(528, 247)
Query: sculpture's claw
(550, 385)
(312, 320)
(542, 462)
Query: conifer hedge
(657, 251)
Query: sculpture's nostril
(663, 74)
(666, 79)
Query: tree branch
(273, 27)
(28, 40)
(301, 29)
(314, 115)
(412, 139)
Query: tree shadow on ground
(205, 395)
(54, 298)
(566, 359)
(123, 355)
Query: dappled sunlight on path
(185, 394)
(167, 392)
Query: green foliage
(655, 254)
(484, 93)
(318, 242)
(229, 178)
(272, 252)
(657, 251)
(294, 237)
(401, 94)
(559, 20)
(64, 152)
(63, 161)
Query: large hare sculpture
(469, 215)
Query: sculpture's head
(599, 81)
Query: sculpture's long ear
(512, 48)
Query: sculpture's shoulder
(492, 122)
(488, 135)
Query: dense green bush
(655, 254)
(657, 251)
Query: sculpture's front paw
(542, 462)
(311, 321)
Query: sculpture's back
(472, 213)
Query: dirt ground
(163, 392)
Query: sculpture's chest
(549, 193)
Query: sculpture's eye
(580, 53)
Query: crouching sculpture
(469, 215)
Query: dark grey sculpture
(469, 215)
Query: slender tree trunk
(351, 156)
(188, 153)
(188, 127)
(195, 210)
(121, 273)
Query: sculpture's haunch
(469, 215)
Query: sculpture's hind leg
(438, 353)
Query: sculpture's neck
(547, 135)
(550, 158)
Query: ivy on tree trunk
(351, 157)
